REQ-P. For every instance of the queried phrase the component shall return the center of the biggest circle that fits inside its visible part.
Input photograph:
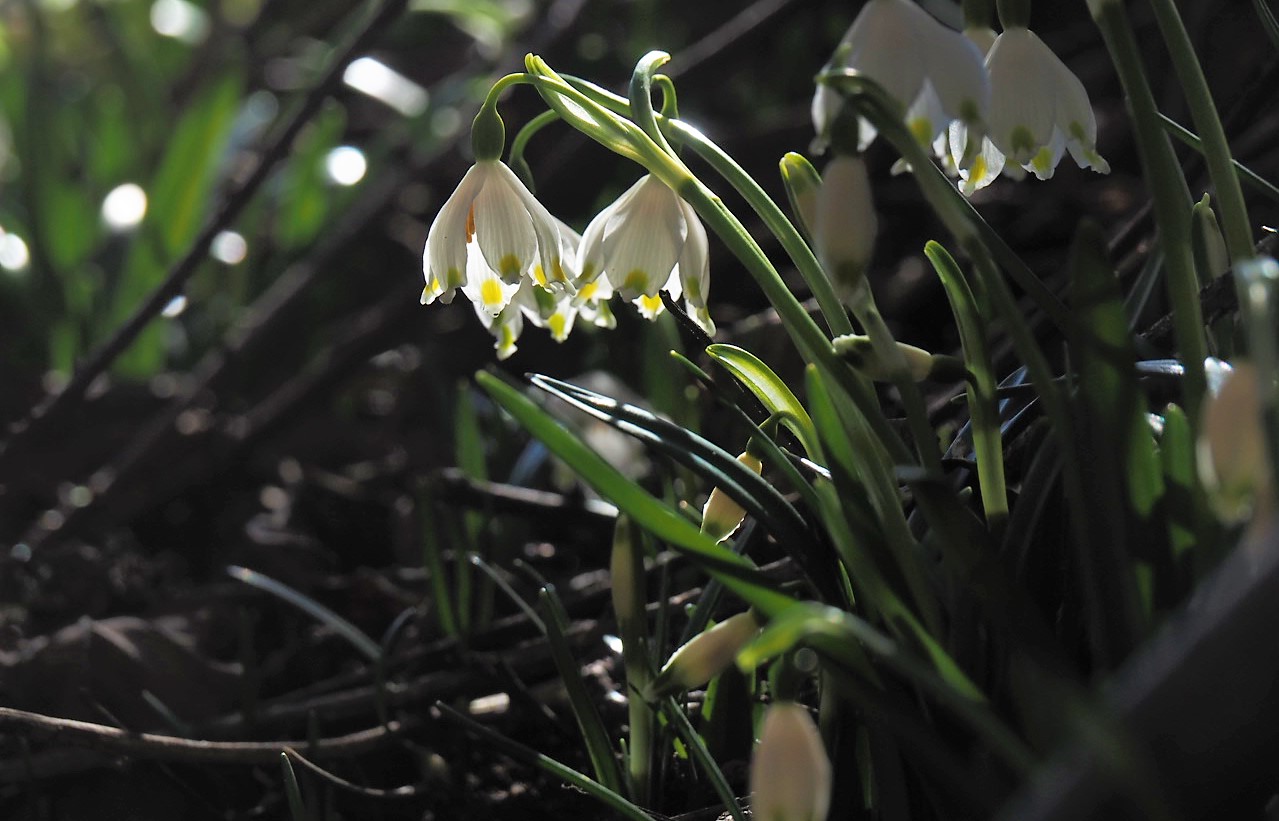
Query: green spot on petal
(509, 267)
(1023, 142)
(636, 280)
(1043, 163)
(922, 128)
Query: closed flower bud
(920, 364)
(846, 224)
(802, 184)
(790, 773)
(722, 516)
(1232, 445)
(1211, 255)
(705, 656)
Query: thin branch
(101, 738)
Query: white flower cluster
(1018, 109)
(514, 261)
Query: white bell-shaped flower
(934, 72)
(647, 241)
(1039, 108)
(491, 215)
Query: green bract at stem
(488, 133)
(1172, 201)
(1216, 150)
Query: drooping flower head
(935, 73)
(493, 215)
(649, 240)
(1039, 108)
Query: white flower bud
(706, 655)
(846, 224)
(1232, 445)
(790, 773)
(721, 516)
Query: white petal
(503, 228)
(550, 253)
(926, 117)
(957, 70)
(695, 270)
(590, 252)
(1022, 105)
(883, 44)
(643, 239)
(444, 259)
(488, 292)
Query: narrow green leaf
(178, 195)
(839, 635)
(714, 464)
(982, 400)
(1108, 401)
(737, 573)
(305, 199)
(769, 389)
(354, 635)
(588, 718)
(532, 758)
(702, 757)
(297, 806)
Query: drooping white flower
(649, 240)
(790, 771)
(1039, 109)
(934, 72)
(491, 215)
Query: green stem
(1234, 214)
(1246, 174)
(1014, 13)
(983, 405)
(1172, 201)
(515, 159)
(885, 345)
(978, 14)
